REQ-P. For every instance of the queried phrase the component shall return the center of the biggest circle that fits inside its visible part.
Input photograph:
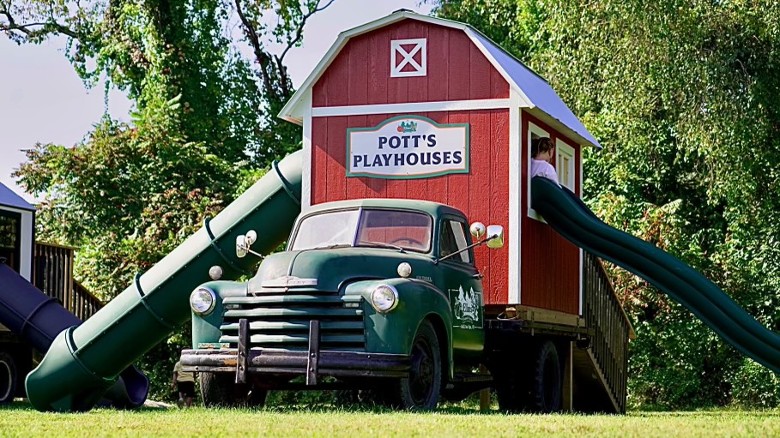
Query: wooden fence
(53, 274)
(610, 330)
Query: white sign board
(408, 147)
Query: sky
(43, 100)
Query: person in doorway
(184, 382)
(542, 152)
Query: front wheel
(420, 391)
(221, 390)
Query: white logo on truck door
(467, 307)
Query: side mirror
(241, 246)
(244, 242)
(477, 229)
(251, 237)
(497, 239)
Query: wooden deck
(53, 275)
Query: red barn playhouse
(387, 90)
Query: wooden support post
(568, 379)
(484, 395)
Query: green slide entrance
(84, 361)
(572, 219)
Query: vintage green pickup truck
(378, 294)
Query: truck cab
(373, 293)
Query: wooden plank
(458, 54)
(537, 314)
(319, 176)
(358, 71)
(479, 74)
(336, 187)
(417, 90)
(378, 66)
(438, 63)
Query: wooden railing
(610, 330)
(53, 275)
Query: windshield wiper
(381, 245)
(335, 245)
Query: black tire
(512, 385)
(220, 390)
(533, 385)
(257, 397)
(420, 391)
(7, 378)
(546, 388)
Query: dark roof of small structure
(10, 199)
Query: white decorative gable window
(408, 58)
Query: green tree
(203, 124)
(683, 97)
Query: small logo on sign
(407, 127)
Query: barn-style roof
(10, 199)
(537, 95)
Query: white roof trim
(560, 127)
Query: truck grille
(281, 320)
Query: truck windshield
(372, 228)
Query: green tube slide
(572, 219)
(84, 361)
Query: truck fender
(393, 332)
(206, 328)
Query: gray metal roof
(538, 91)
(10, 199)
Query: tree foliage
(683, 97)
(203, 124)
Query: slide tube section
(83, 361)
(572, 219)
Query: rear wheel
(7, 378)
(420, 391)
(531, 385)
(547, 383)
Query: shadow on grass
(17, 405)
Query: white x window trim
(407, 58)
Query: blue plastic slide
(572, 219)
(38, 319)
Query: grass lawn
(19, 419)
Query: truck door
(464, 288)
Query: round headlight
(384, 298)
(202, 301)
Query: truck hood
(327, 269)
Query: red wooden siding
(549, 263)
(360, 73)
(482, 194)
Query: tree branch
(299, 31)
(261, 56)
(29, 28)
